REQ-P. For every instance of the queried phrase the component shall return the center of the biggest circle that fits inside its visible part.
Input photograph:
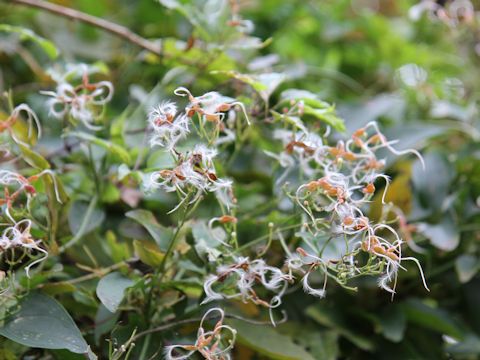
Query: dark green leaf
(42, 322)
(268, 342)
(393, 323)
(431, 318)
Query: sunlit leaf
(314, 107)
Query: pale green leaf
(111, 289)
(466, 266)
(335, 320)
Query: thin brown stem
(95, 274)
(115, 29)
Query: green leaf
(110, 193)
(444, 236)
(159, 233)
(58, 288)
(432, 190)
(291, 120)
(27, 34)
(148, 252)
(321, 344)
(334, 319)
(114, 149)
(265, 340)
(201, 232)
(314, 107)
(76, 216)
(447, 109)
(393, 323)
(469, 346)
(111, 288)
(42, 322)
(326, 115)
(104, 322)
(250, 42)
(431, 318)
(33, 158)
(307, 97)
(205, 242)
(466, 266)
(118, 250)
(264, 84)
(170, 4)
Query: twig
(115, 29)
(98, 273)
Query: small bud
(227, 219)
(302, 252)
(369, 189)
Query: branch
(115, 29)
